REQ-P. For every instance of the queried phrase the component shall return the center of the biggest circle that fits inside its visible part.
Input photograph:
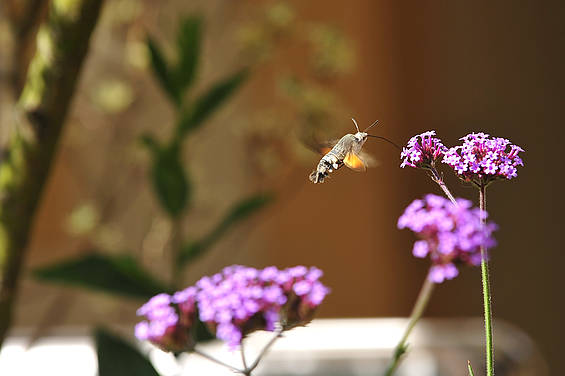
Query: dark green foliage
(188, 44)
(238, 212)
(170, 181)
(172, 186)
(117, 357)
(119, 275)
(162, 72)
(209, 102)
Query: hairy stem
(470, 368)
(439, 180)
(417, 311)
(486, 291)
(62, 43)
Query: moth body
(345, 151)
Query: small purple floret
(164, 326)
(422, 151)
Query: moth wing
(354, 162)
(325, 147)
(319, 147)
(369, 160)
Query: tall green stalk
(423, 296)
(486, 291)
(417, 312)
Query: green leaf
(162, 72)
(170, 181)
(119, 275)
(238, 212)
(209, 102)
(188, 44)
(117, 357)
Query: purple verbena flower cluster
(422, 151)
(234, 303)
(241, 299)
(482, 159)
(450, 234)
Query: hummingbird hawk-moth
(346, 151)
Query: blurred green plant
(310, 108)
(123, 275)
(333, 53)
(117, 357)
(57, 35)
(244, 208)
(117, 275)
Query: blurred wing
(354, 162)
(369, 160)
(320, 147)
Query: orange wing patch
(354, 162)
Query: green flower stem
(471, 373)
(417, 311)
(486, 292)
(439, 180)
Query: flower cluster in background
(167, 326)
(422, 151)
(482, 158)
(450, 234)
(234, 303)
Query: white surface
(52, 356)
(353, 343)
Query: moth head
(360, 136)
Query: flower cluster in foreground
(233, 303)
(482, 159)
(422, 151)
(450, 234)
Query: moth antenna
(371, 126)
(356, 126)
(387, 140)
